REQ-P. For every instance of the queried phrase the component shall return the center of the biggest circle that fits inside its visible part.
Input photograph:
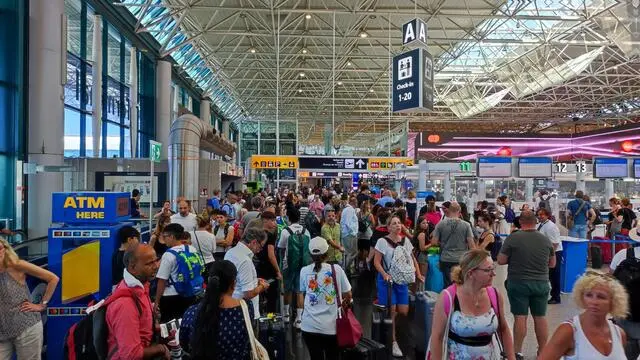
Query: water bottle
(175, 349)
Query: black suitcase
(596, 257)
(271, 334)
(381, 323)
(366, 349)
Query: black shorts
(364, 244)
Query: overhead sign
(333, 163)
(274, 162)
(414, 32)
(156, 150)
(388, 163)
(90, 207)
(413, 81)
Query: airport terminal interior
(248, 144)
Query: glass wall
(13, 17)
(115, 90)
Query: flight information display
(636, 168)
(607, 168)
(494, 167)
(535, 167)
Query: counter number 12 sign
(580, 166)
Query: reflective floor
(363, 291)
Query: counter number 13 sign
(578, 166)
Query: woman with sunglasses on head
(472, 310)
(591, 335)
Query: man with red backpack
(129, 315)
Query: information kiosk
(81, 244)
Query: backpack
(628, 273)
(226, 229)
(298, 255)
(497, 245)
(509, 215)
(189, 280)
(230, 210)
(312, 224)
(401, 268)
(363, 224)
(87, 339)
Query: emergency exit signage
(155, 149)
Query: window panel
(72, 87)
(88, 138)
(113, 54)
(72, 8)
(113, 140)
(72, 136)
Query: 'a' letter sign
(414, 33)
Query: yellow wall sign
(389, 163)
(274, 162)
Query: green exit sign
(155, 149)
(465, 166)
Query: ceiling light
(252, 50)
(363, 34)
(308, 16)
(304, 51)
(339, 82)
(301, 74)
(299, 90)
(370, 90)
(348, 63)
(384, 74)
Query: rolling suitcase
(596, 257)
(435, 279)
(605, 249)
(425, 303)
(366, 349)
(381, 324)
(271, 334)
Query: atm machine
(81, 244)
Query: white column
(422, 176)
(96, 88)
(608, 190)
(133, 101)
(482, 190)
(46, 109)
(447, 187)
(225, 130)
(163, 104)
(529, 190)
(205, 111)
(581, 184)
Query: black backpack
(87, 339)
(311, 223)
(226, 229)
(363, 224)
(628, 273)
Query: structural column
(205, 111)
(422, 177)
(46, 109)
(225, 129)
(608, 190)
(482, 190)
(133, 100)
(163, 104)
(580, 183)
(529, 190)
(447, 187)
(96, 88)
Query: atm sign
(87, 207)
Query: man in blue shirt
(134, 204)
(386, 198)
(214, 202)
(579, 210)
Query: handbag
(258, 352)
(445, 337)
(348, 328)
(571, 217)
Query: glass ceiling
(483, 56)
(160, 23)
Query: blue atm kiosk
(80, 249)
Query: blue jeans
(578, 231)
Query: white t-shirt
(219, 236)
(550, 230)
(247, 278)
(189, 222)
(204, 240)
(169, 268)
(320, 309)
(387, 251)
(620, 256)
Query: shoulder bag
(571, 217)
(348, 328)
(258, 352)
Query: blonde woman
(591, 335)
(21, 331)
(473, 312)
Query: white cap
(318, 246)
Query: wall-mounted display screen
(494, 167)
(636, 168)
(127, 181)
(606, 168)
(534, 167)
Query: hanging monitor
(610, 168)
(494, 167)
(636, 168)
(535, 167)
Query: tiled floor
(363, 294)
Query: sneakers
(395, 350)
(286, 318)
(297, 324)
(519, 356)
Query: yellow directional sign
(388, 163)
(274, 162)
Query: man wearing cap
(318, 296)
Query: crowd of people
(221, 269)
